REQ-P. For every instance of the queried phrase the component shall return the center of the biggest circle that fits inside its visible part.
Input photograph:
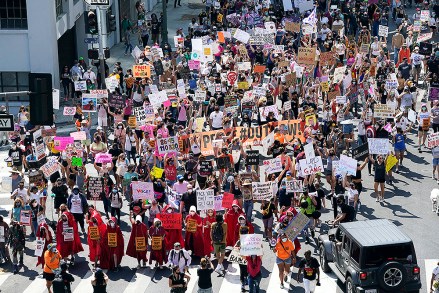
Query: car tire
(324, 260)
(350, 287)
(392, 276)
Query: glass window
(13, 82)
(375, 256)
(13, 14)
(346, 243)
(58, 7)
(355, 252)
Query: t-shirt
(16, 156)
(349, 211)
(62, 285)
(217, 119)
(204, 278)
(309, 268)
(267, 212)
(284, 249)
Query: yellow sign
(219, 18)
(93, 231)
(112, 239)
(243, 85)
(390, 162)
(157, 172)
(132, 122)
(191, 226)
(425, 124)
(156, 243)
(325, 86)
(141, 71)
(140, 244)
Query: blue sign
(91, 40)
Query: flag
(312, 18)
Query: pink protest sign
(103, 158)
(194, 64)
(60, 142)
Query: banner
(235, 257)
(25, 217)
(262, 190)
(167, 145)
(93, 232)
(140, 243)
(348, 165)
(39, 246)
(205, 199)
(95, 188)
(378, 146)
(170, 221)
(294, 185)
(60, 143)
(103, 158)
(227, 200)
(156, 243)
(360, 153)
(311, 165)
(251, 244)
(141, 71)
(297, 224)
(142, 190)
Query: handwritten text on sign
(262, 190)
(170, 221)
(143, 190)
(236, 257)
(433, 140)
(348, 165)
(167, 145)
(378, 146)
(306, 56)
(311, 165)
(141, 71)
(294, 185)
(205, 199)
(251, 244)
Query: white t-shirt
(217, 119)
(76, 205)
(416, 58)
(22, 193)
(36, 196)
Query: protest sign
(252, 158)
(306, 55)
(103, 158)
(2, 234)
(297, 224)
(273, 165)
(412, 116)
(391, 84)
(206, 168)
(156, 243)
(218, 200)
(383, 31)
(309, 150)
(89, 103)
(80, 85)
(311, 165)
(191, 226)
(78, 135)
(325, 86)
(157, 172)
(416, 25)
(433, 140)
(390, 162)
(40, 147)
(76, 162)
(112, 239)
(39, 246)
(95, 188)
(167, 145)
(170, 221)
(141, 71)
(251, 244)
(327, 58)
(34, 177)
(50, 167)
(116, 101)
(93, 232)
(294, 185)
(293, 27)
(139, 113)
(383, 111)
(140, 243)
(69, 111)
(338, 74)
(378, 146)
(142, 190)
(223, 162)
(60, 142)
(235, 257)
(25, 217)
(304, 5)
(227, 200)
(340, 99)
(68, 234)
(262, 190)
(348, 165)
(112, 83)
(241, 36)
(205, 199)
(425, 15)
(364, 48)
(99, 94)
(424, 37)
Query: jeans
(248, 209)
(253, 283)
(128, 46)
(15, 258)
(116, 212)
(35, 226)
(107, 204)
(395, 56)
(375, 28)
(204, 290)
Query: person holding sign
(231, 219)
(96, 229)
(138, 241)
(67, 237)
(194, 229)
(207, 225)
(157, 236)
(285, 256)
(112, 246)
(243, 225)
(173, 235)
(44, 234)
(380, 176)
(424, 126)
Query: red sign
(227, 200)
(232, 77)
(170, 221)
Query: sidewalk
(177, 17)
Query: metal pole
(101, 25)
(164, 22)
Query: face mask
(114, 190)
(169, 211)
(112, 225)
(34, 204)
(75, 192)
(189, 190)
(242, 222)
(235, 208)
(95, 221)
(284, 239)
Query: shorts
(309, 285)
(86, 142)
(102, 121)
(328, 172)
(19, 168)
(268, 223)
(285, 261)
(204, 290)
(420, 129)
(219, 248)
(49, 276)
(397, 151)
(435, 161)
(380, 180)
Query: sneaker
(377, 199)
(281, 285)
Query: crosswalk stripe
(274, 283)
(328, 283)
(140, 280)
(231, 282)
(4, 277)
(85, 284)
(5, 196)
(430, 264)
(37, 286)
(193, 280)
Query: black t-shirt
(115, 152)
(284, 197)
(380, 171)
(204, 278)
(267, 211)
(189, 199)
(16, 156)
(35, 211)
(349, 211)
(62, 284)
(179, 280)
(309, 268)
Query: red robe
(250, 227)
(107, 252)
(95, 245)
(66, 248)
(172, 235)
(158, 255)
(194, 241)
(208, 248)
(47, 235)
(231, 218)
(138, 230)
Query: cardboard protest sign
(390, 162)
(170, 221)
(327, 58)
(433, 140)
(156, 243)
(205, 199)
(383, 111)
(235, 257)
(39, 246)
(252, 158)
(78, 135)
(227, 200)
(140, 243)
(348, 165)
(60, 142)
(306, 55)
(143, 190)
(297, 224)
(116, 101)
(294, 185)
(103, 158)
(273, 165)
(112, 239)
(157, 172)
(223, 162)
(141, 71)
(35, 176)
(262, 190)
(68, 234)
(191, 226)
(80, 85)
(251, 244)
(93, 232)
(311, 165)
(293, 27)
(167, 145)
(95, 188)
(25, 217)
(378, 146)
(50, 167)
(69, 111)
(383, 31)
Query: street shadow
(367, 212)
(399, 211)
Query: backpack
(218, 233)
(180, 255)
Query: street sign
(6, 122)
(91, 40)
(97, 2)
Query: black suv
(371, 256)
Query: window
(14, 82)
(58, 7)
(355, 252)
(346, 243)
(379, 254)
(13, 14)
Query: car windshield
(375, 256)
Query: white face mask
(192, 213)
(112, 225)
(242, 222)
(189, 190)
(169, 211)
(284, 239)
(235, 208)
